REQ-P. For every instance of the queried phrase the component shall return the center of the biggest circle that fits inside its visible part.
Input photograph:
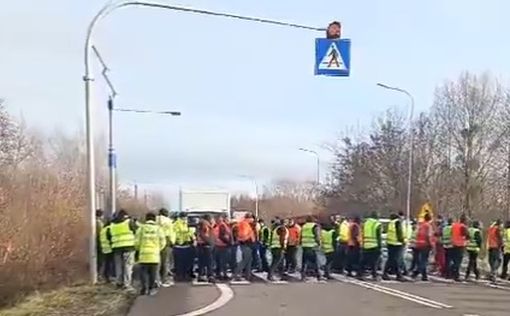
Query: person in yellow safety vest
(150, 240)
(107, 268)
(407, 231)
(121, 236)
(342, 247)
(412, 246)
(506, 250)
(183, 253)
(278, 243)
(473, 249)
(100, 258)
(167, 226)
(263, 240)
(371, 246)
(395, 245)
(446, 241)
(310, 244)
(328, 248)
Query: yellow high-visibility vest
(307, 236)
(122, 235)
(150, 240)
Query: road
(342, 295)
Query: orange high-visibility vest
(294, 233)
(493, 238)
(245, 232)
(423, 239)
(458, 238)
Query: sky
(247, 92)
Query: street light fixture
(88, 79)
(112, 159)
(256, 192)
(318, 162)
(411, 147)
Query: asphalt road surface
(341, 296)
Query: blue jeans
(423, 260)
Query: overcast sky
(246, 90)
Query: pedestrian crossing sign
(332, 57)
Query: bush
(43, 233)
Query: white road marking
(442, 280)
(196, 283)
(393, 292)
(226, 295)
(243, 282)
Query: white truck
(197, 203)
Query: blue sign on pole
(332, 57)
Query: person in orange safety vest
(460, 237)
(292, 246)
(223, 241)
(245, 236)
(494, 246)
(423, 245)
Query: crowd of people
(220, 249)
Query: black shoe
(424, 279)
(385, 277)
(401, 279)
(270, 278)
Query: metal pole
(318, 176)
(112, 162)
(318, 170)
(91, 168)
(89, 122)
(256, 199)
(411, 148)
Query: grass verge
(100, 300)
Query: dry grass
(79, 300)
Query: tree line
(461, 156)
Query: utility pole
(136, 192)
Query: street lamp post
(112, 158)
(318, 163)
(88, 81)
(411, 147)
(256, 192)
